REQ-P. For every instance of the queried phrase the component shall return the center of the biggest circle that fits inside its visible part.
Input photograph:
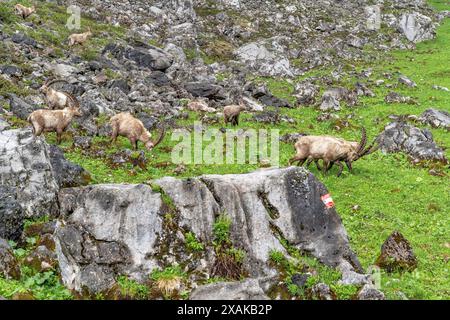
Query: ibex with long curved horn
(56, 99)
(124, 124)
(331, 150)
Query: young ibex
(79, 38)
(23, 11)
(200, 105)
(231, 113)
(124, 124)
(331, 150)
(57, 99)
(53, 120)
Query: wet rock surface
(12, 214)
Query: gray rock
(25, 165)
(245, 290)
(129, 217)
(121, 84)
(63, 70)
(368, 292)
(322, 291)
(406, 81)
(82, 142)
(107, 229)
(65, 172)
(418, 143)
(436, 118)
(205, 89)
(266, 62)
(4, 125)
(11, 214)
(11, 70)
(9, 266)
(158, 78)
(306, 93)
(417, 27)
(20, 108)
(23, 39)
(144, 56)
(329, 103)
(394, 97)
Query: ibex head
(151, 144)
(359, 150)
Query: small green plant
(192, 243)
(132, 289)
(277, 256)
(221, 229)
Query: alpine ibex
(56, 99)
(79, 38)
(124, 124)
(200, 105)
(331, 150)
(23, 11)
(231, 113)
(53, 120)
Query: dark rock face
(436, 118)
(118, 229)
(23, 39)
(205, 89)
(11, 214)
(418, 143)
(149, 57)
(262, 94)
(11, 70)
(9, 266)
(20, 108)
(66, 173)
(397, 254)
(158, 78)
(122, 84)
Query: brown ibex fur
(23, 11)
(330, 150)
(200, 105)
(124, 124)
(79, 38)
(231, 113)
(57, 99)
(53, 120)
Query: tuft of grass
(192, 243)
(168, 280)
(132, 289)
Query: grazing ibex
(53, 120)
(331, 150)
(23, 11)
(79, 38)
(200, 105)
(124, 124)
(231, 113)
(56, 99)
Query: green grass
(132, 289)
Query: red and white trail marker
(327, 200)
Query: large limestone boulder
(25, 165)
(109, 230)
(417, 27)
